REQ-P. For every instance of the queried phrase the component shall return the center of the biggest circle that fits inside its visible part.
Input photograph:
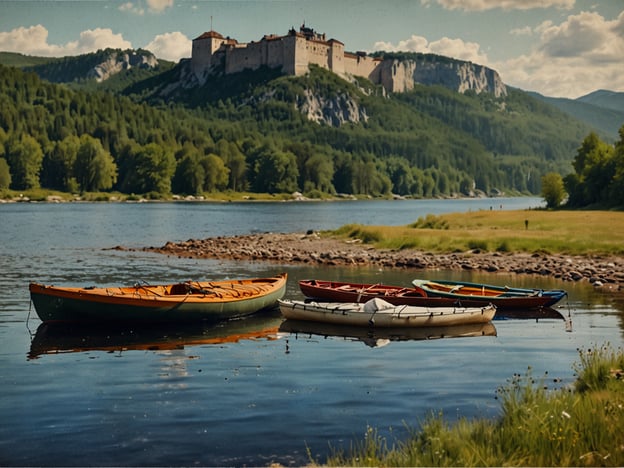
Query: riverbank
(604, 271)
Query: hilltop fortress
(295, 51)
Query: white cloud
(580, 55)
(153, 6)
(157, 6)
(170, 46)
(34, 41)
(481, 5)
(131, 8)
(526, 31)
(456, 48)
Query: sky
(559, 48)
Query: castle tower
(204, 48)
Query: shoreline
(605, 272)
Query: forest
(247, 134)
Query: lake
(243, 392)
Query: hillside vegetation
(249, 133)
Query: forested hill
(262, 132)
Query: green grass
(539, 426)
(565, 232)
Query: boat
(473, 294)
(415, 296)
(179, 302)
(378, 337)
(379, 313)
(62, 338)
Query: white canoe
(379, 313)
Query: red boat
(414, 296)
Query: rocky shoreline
(298, 248)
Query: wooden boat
(379, 313)
(473, 294)
(61, 338)
(377, 337)
(179, 302)
(336, 291)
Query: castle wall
(361, 65)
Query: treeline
(55, 137)
(598, 178)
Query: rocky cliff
(118, 61)
(400, 75)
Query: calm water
(241, 393)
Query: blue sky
(560, 48)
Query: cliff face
(333, 111)
(119, 61)
(400, 75)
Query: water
(240, 393)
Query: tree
(94, 167)
(5, 174)
(58, 165)
(24, 156)
(594, 170)
(552, 189)
(189, 176)
(154, 169)
(275, 171)
(216, 174)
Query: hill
(602, 110)
(265, 132)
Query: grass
(564, 232)
(564, 426)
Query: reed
(563, 232)
(577, 425)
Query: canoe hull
(355, 314)
(149, 304)
(475, 294)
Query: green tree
(594, 170)
(154, 168)
(58, 165)
(552, 189)
(189, 175)
(25, 157)
(216, 175)
(94, 167)
(275, 171)
(5, 174)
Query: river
(242, 393)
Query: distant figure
(526, 224)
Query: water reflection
(378, 337)
(58, 338)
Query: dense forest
(247, 133)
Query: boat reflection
(56, 338)
(377, 337)
(536, 313)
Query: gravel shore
(298, 248)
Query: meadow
(550, 232)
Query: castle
(292, 53)
(295, 51)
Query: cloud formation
(581, 54)
(456, 48)
(170, 46)
(34, 41)
(482, 5)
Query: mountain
(327, 134)
(602, 110)
(605, 99)
(112, 69)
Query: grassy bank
(563, 426)
(566, 232)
